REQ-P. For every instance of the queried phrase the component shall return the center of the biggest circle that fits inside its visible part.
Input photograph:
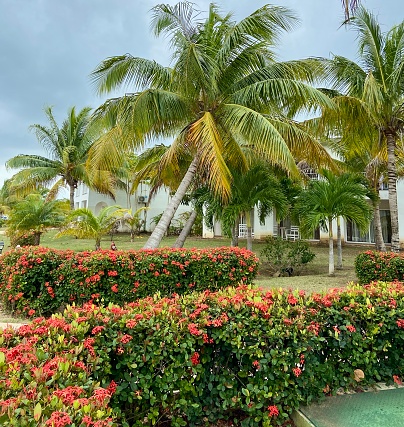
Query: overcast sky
(48, 48)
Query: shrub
(236, 354)
(372, 265)
(24, 239)
(41, 280)
(286, 257)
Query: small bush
(372, 266)
(41, 280)
(286, 257)
(25, 239)
(237, 354)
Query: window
(354, 235)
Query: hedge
(386, 266)
(41, 281)
(237, 354)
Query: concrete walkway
(4, 325)
(381, 408)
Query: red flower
(292, 300)
(400, 323)
(59, 419)
(273, 411)
(114, 288)
(397, 380)
(195, 358)
(351, 328)
(126, 338)
(297, 372)
(97, 329)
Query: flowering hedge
(236, 354)
(372, 266)
(37, 280)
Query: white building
(87, 198)
(350, 232)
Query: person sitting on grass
(113, 246)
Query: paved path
(4, 325)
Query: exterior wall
(86, 198)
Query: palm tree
(367, 156)
(35, 214)
(256, 189)
(224, 97)
(133, 220)
(68, 148)
(84, 224)
(329, 199)
(369, 94)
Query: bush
(25, 239)
(372, 266)
(236, 354)
(42, 280)
(286, 257)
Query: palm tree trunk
(158, 233)
(379, 241)
(339, 245)
(179, 243)
(249, 230)
(392, 174)
(71, 187)
(330, 249)
(234, 232)
(37, 238)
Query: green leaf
(37, 411)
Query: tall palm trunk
(379, 241)
(249, 230)
(179, 243)
(392, 174)
(158, 233)
(71, 188)
(37, 237)
(330, 249)
(234, 232)
(339, 245)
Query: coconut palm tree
(329, 199)
(367, 156)
(224, 96)
(68, 148)
(84, 224)
(369, 94)
(35, 214)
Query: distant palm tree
(370, 94)
(68, 148)
(224, 99)
(329, 199)
(133, 220)
(35, 214)
(84, 224)
(256, 189)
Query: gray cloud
(48, 48)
